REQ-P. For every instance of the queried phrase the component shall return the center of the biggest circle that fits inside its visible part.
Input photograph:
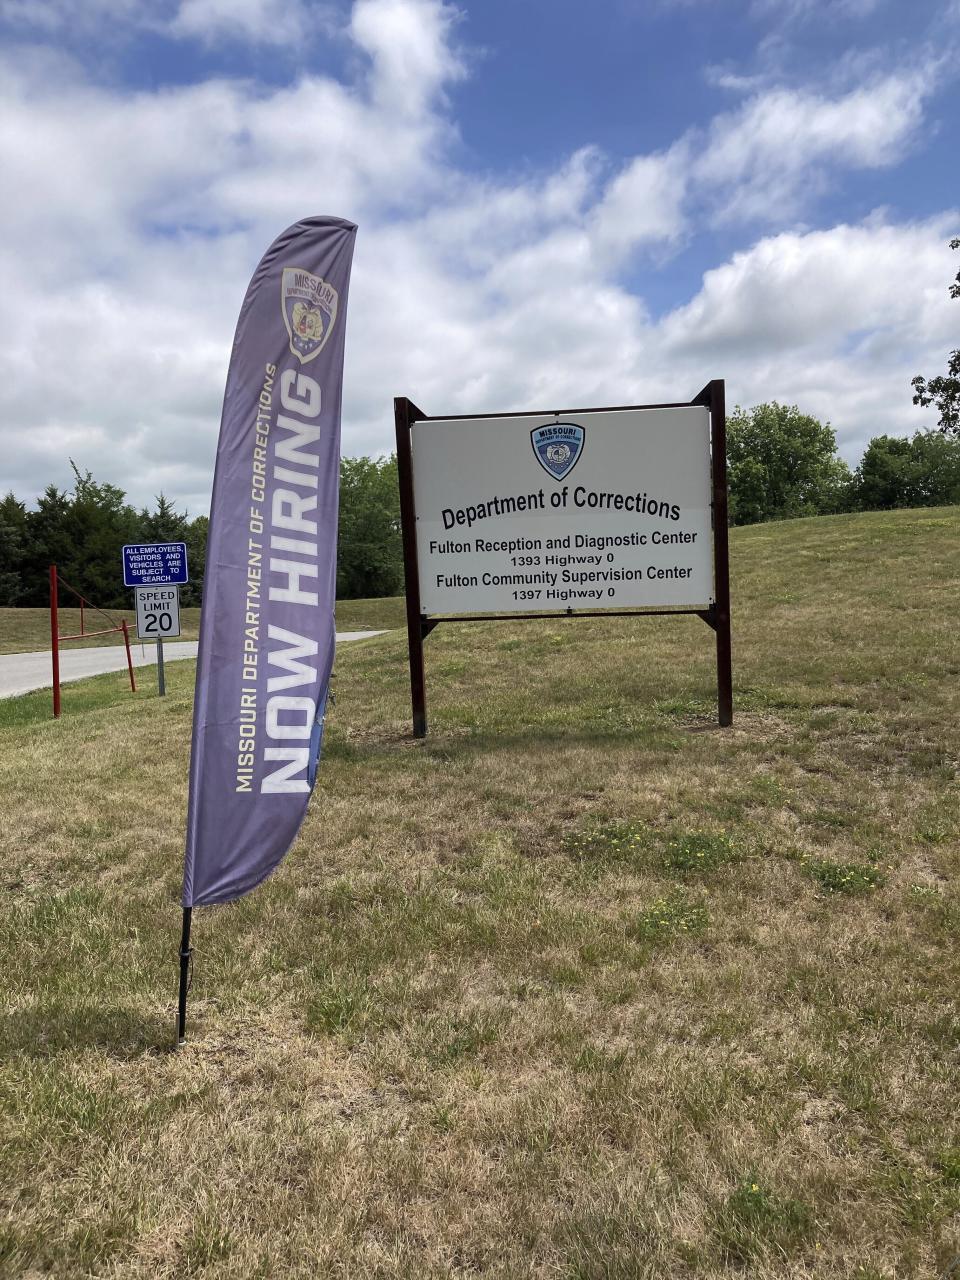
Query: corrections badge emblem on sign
(558, 447)
(309, 311)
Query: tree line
(782, 463)
(81, 530)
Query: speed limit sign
(158, 613)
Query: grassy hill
(26, 630)
(580, 986)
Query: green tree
(944, 391)
(49, 542)
(369, 548)
(782, 463)
(195, 537)
(166, 524)
(81, 532)
(14, 537)
(101, 521)
(896, 472)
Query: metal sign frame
(716, 616)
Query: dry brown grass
(483, 1021)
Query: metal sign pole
(713, 396)
(186, 953)
(718, 422)
(406, 412)
(160, 675)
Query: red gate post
(55, 641)
(126, 641)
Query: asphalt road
(22, 672)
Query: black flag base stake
(186, 953)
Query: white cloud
(802, 291)
(768, 156)
(256, 21)
(141, 216)
(820, 10)
(791, 11)
(79, 15)
(836, 320)
(644, 203)
(409, 44)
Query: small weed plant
(614, 844)
(842, 877)
(448, 1038)
(699, 851)
(925, 893)
(669, 916)
(948, 1164)
(339, 1006)
(754, 1220)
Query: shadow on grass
(117, 1030)
(447, 741)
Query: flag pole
(186, 951)
(244, 809)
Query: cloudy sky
(559, 204)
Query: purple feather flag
(267, 628)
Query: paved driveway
(22, 672)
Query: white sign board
(158, 613)
(607, 509)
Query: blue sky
(558, 203)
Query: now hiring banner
(267, 625)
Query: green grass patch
(755, 1221)
(842, 877)
(447, 1039)
(948, 1164)
(386, 614)
(608, 844)
(624, 845)
(699, 852)
(341, 1003)
(674, 915)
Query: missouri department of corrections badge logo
(558, 447)
(309, 311)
